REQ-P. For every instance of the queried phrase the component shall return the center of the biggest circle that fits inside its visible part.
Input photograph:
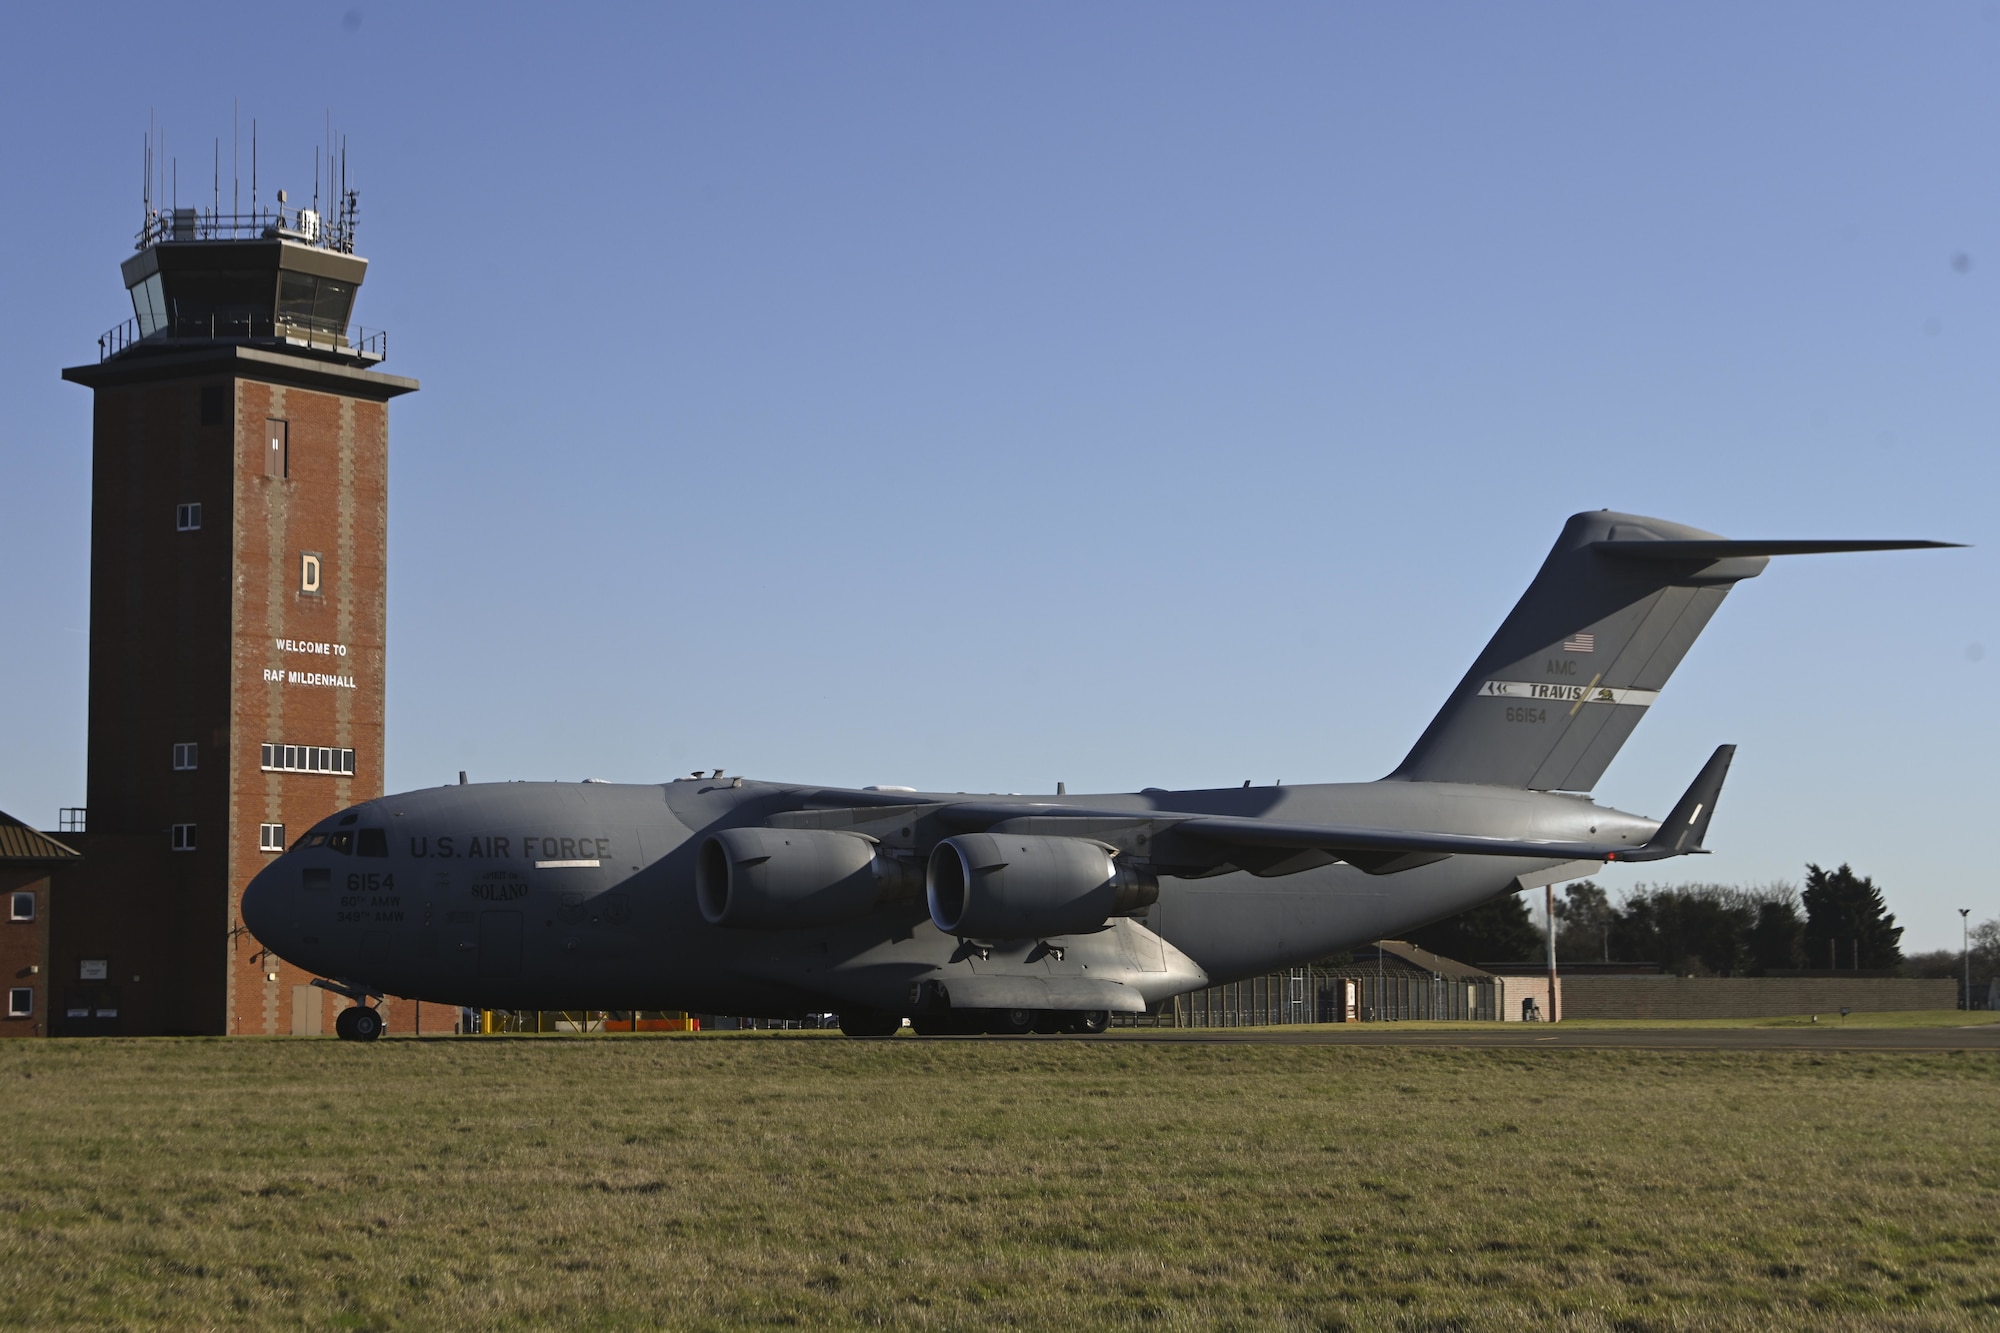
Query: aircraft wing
(1270, 847)
(1680, 834)
(1338, 838)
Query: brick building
(27, 861)
(239, 525)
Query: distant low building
(27, 859)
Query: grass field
(1874, 1020)
(718, 1182)
(1892, 1018)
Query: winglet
(1682, 831)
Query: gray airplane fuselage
(730, 896)
(582, 895)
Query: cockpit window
(348, 818)
(313, 840)
(372, 842)
(342, 842)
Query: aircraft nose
(267, 904)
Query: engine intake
(1012, 886)
(786, 879)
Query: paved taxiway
(1536, 1036)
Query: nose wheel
(359, 1023)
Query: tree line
(1838, 920)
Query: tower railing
(248, 326)
(302, 226)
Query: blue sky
(981, 397)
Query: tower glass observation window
(281, 758)
(149, 307)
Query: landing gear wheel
(1010, 1022)
(1090, 1022)
(944, 1023)
(365, 1025)
(343, 1024)
(867, 1023)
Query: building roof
(1436, 964)
(18, 842)
(1399, 958)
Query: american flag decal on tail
(1580, 643)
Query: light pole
(1555, 1006)
(1965, 954)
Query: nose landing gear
(362, 1022)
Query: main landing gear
(1009, 1022)
(868, 1023)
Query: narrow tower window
(183, 837)
(184, 754)
(187, 517)
(270, 837)
(277, 449)
(22, 906)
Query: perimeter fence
(1323, 994)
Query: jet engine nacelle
(784, 879)
(1010, 887)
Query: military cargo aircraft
(1013, 913)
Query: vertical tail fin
(1587, 649)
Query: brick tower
(239, 523)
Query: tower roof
(283, 278)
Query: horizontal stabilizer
(1729, 550)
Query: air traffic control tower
(239, 521)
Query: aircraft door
(500, 945)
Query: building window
(215, 405)
(187, 517)
(21, 906)
(281, 758)
(270, 837)
(277, 449)
(184, 754)
(20, 1002)
(183, 837)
